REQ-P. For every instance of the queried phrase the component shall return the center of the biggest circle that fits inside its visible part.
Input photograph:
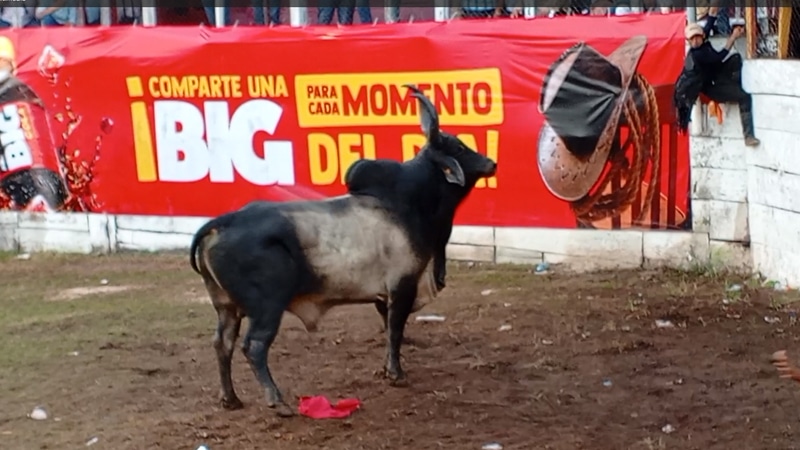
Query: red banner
(198, 121)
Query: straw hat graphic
(582, 98)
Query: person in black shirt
(720, 72)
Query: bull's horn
(429, 118)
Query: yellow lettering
(233, 86)
(143, 143)
(152, 86)
(204, 90)
(471, 97)
(190, 86)
(216, 86)
(319, 143)
(329, 158)
(267, 86)
(492, 145)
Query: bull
(378, 241)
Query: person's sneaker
(751, 141)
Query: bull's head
(461, 165)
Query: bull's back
(354, 246)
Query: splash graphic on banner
(154, 128)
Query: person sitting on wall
(715, 73)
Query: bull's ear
(452, 170)
(428, 117)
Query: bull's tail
(213, 224)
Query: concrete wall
(577, 249)
(773, 169)
(748, 199)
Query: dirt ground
(118, 348)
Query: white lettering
(219, 147)
(181, 152)
(277, 166)
(184, 156)
(16, 152)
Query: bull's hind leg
(256, 344)
(229, 322)
(264, 296)
(224, 341)
(402, 301)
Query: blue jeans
(49, 21)
(32, 23)
(258, 13)
(723, 24)
(344, 11)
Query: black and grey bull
(306, 257)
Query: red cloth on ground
(319, 407)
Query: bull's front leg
(401, 302)
(383, 310)
(440, 269)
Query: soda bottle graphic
(29, 166)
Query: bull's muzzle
(490, 169)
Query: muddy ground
(129, 361)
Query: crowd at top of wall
(33, 13)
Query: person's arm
(711, 19)
(41, 12)
(707, 54)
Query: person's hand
(737, 32)
(516, 12)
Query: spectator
(22, 16)
(344, 11)
(208, 5)
(91, 10)
(601, 8)
(258, 12)
(477, 9)
(55, 13)
(129, 11)
(622, 7)
(715, 73)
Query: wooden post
(784, 23)
(751, 30)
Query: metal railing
(119, 12)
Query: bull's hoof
(231, 404)
(397, 378)
(282, 410)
